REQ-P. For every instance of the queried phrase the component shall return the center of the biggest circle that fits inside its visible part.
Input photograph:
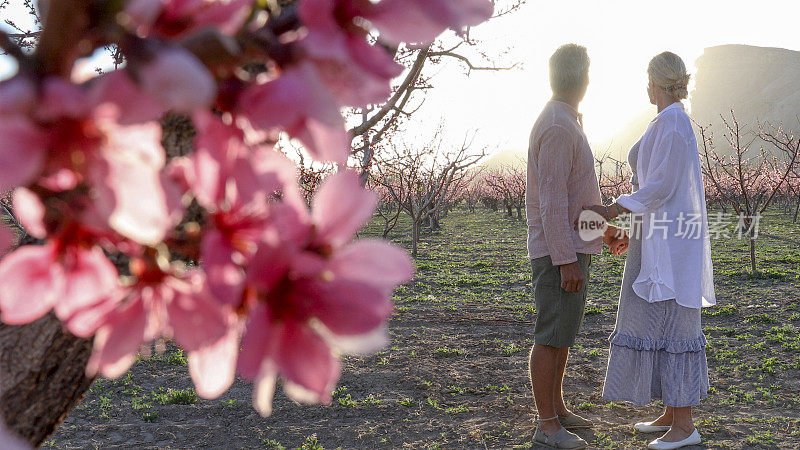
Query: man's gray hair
(569, 68)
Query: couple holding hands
(657, 346)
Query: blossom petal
(196, 319)
(225, 279)
(135, 158)
(117, 342)
(178, 80)
(130, 105)
(30, 283)
(22, 152)
(30, 210)
(341, 207)
(17, 95)
(85, 322)
(227, 16)
(305, 359)
(268, 266)
(61, 99)
(299, 103)
(347, 307)
(256, 343)
(213, 366)
(264, 390)
(359, 344)
(423, 20)
(374, 262)
(89, 278)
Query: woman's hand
(619, 246)
(616, 239)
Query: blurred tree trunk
(42, 376)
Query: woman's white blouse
(676, 251)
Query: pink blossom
(17, 95)
(359, 73)
(234, 183)
(80, 143)
(306, 304)
(168, 305)
(423, 20)
(22, 152)
(177, 18)
(178, 80)
(298, 103)
(134, 158)
(35, 279)
(356, 72)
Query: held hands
(616, 239)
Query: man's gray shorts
(559, 313)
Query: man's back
(561, 180)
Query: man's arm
(553, 166)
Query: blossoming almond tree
(280, 289)
(747, 180)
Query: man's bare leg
(543, 365)
(558, 394)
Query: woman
(658, 346)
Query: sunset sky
(621, 35)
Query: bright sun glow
(621, 36)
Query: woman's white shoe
(648, 427)
(658, 444)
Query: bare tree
(421, 179)
(748, 180)
(613, 176)
(508, 184)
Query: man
(561, 180)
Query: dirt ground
(454, 375)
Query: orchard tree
(508, 185)
(748, 179)
(423, 180)
(213, 247)
(613, 176)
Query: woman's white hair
(668, 72)
(569, 69)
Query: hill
(760, 84)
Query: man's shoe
(574, 421)
(648, 427)
(658, 444)
(562, 439)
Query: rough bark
(42, 376)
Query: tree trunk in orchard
(42, 376)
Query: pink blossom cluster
(279, 290)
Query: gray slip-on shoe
(574, 421)
(562, 439)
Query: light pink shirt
(561, 180)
